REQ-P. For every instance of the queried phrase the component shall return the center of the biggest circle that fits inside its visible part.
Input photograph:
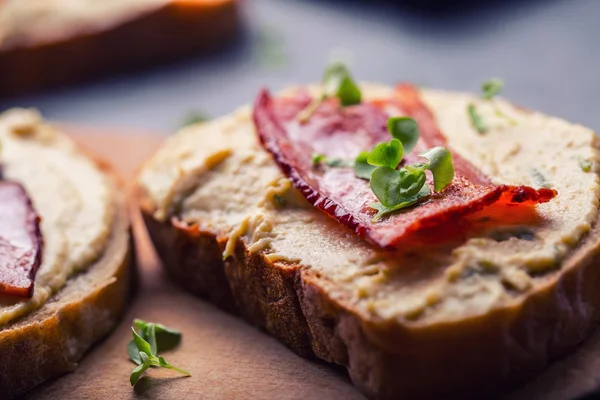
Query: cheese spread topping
(438, 284)
(72, 196)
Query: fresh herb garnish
(441, 167)
(406, 130)
(396, 189)
(387, 154)
(270, 47)
(476, 119)
(585, 165)
(143, 349)
(319, 159)
(195, 117)
(400, 188)
(337, 82)
(489, 89)
(278, 200)
(362, 168)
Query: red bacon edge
(20, 241)
(338, 193)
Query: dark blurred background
(547, 51)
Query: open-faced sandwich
(432, 243)
(51, 42)
(64, 252)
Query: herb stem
(305, 114)
(181, 371)
(476, 119)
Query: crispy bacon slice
(343, 133)
(20, 241)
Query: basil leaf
(384, 210)
(440, 165)
(406, 130)
(338, 82)
(387, 154)
(491, 88)
(476, 119)
(362, 169)
(139, 370)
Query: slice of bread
(49, 334)
(472, 319)
(53, 42)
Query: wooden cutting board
(229, 359)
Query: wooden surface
(227, 358)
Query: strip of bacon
(20, 241)
(343, 133)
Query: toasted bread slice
(47, 335)
(52, 42)
(474, 318)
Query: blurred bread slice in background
(47, 43)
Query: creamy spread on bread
(69, 192)
(218, 176)
(47, 20)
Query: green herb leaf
(349, 93)
(440, 165)
(337, 163)
(476, 119)
(393, 187)
(338, 82)
(141, 343)
(133, 352)
(139, 370)
(585, 165)
(165, 338)
(270, 47)
(362, 169)
(331, 162)
(491, 88)
(152, 338)
(387, 154)
(150, 335)
(406, 130)
(384, 210)
(195, 117)
(318, 158)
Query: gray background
(547, 51)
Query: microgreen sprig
(146, 344)
(337, 82)
(400, 188)
(489, 89)
(319, 159)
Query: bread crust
(175, 29)
(51, 340)
(484, 355)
